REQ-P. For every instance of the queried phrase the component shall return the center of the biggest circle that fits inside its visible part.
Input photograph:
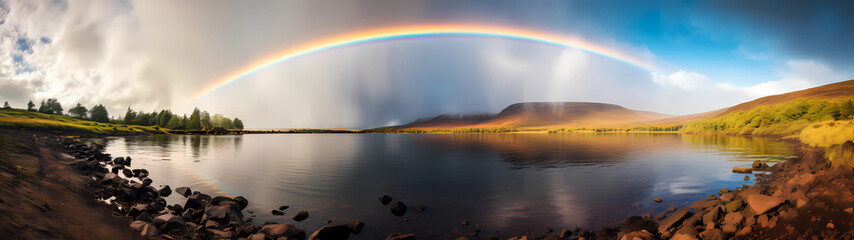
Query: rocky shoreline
(803, 198)
(201, 217)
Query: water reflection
(505, 182)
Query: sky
(156, 54)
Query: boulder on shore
(673, 219)
(127, 172)
(168, 221)
(283, 230)
(757, 165)
(640, 235)
(145, 229)
(762, 203)
(165, 191)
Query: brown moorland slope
(831, 91)
(542, 114)
(590, 114)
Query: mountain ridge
(594, 114)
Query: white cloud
(696, 91)
(799, 75)
(682, 79)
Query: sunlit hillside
(21, 119)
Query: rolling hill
(844, 89)
(589, 114)
(541, 114)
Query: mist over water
(509, 183)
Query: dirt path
(41, 197)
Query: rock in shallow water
(165, 191)
(184, 191)
(301, 215)
(331, 233)
(242, 202)
(356, 226)
(398, 208)
(385, 199)
(400, 236)
(419, 208)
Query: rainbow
(415, 32)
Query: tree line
(198, 120)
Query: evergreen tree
(238, 124)
(185, 122)
(31, 106)
(6, 105)
(166, 118)
(99, 114)
(78, 111)
(195, 120)
(174, 122)
(130, 115)
(206, 120)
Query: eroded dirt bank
(43, 198)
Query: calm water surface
(510, 183)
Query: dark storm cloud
(822, 30)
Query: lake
(505, 183)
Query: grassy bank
(817, 122)
(21, 119)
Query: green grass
(817, 122)
(787, 119)
(20, 119)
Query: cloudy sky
(157, 54)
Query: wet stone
(301, 215)
(385, 199)
(398, 208)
